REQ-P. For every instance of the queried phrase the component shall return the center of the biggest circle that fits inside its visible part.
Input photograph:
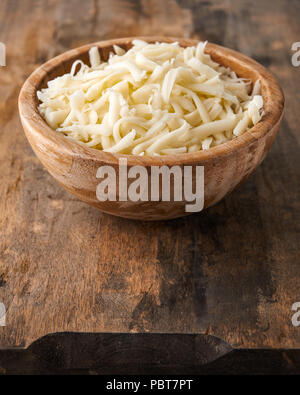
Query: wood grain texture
(232, 271)
(225, 166)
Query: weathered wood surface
(232, 271)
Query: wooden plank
(137, 354)
(232, 271)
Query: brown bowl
(225, 166)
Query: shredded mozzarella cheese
(154, 99)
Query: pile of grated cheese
(154, 99)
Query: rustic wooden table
(231, 272)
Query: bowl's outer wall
(77, 173)
(222, 175)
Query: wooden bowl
(225, 166)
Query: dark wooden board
(232, 271)
(143, 353)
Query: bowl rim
(33, 121)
